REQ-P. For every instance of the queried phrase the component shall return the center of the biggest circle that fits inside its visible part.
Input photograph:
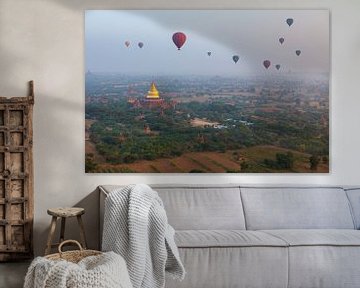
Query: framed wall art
(200, 91)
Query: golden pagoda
(153, 93)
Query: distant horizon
(278, 75)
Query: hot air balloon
(179, 39)
(127, 43)
(266, 64)
(209, 53)
(281, 40)
(140, 44)
(278, 66)
(235, 58)
(298, 52)
(289, 21)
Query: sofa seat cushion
(233, 267)
(317, 237)
(225, 238)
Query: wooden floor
(12, 274)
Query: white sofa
(264, 237)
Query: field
(213, 162)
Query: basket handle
(69, 241)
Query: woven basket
(72, 256)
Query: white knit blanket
(136, 227)
(103, 271)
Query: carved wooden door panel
(16, 177)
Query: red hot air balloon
(281, 40)
(140, 44)
(289, 21)
(278, 66)
(267, 64)
(179, 39)
(127, 43)
(298, 52)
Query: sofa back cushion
(354, 198)
(203, 207)
(296, 208)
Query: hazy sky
(251, 34)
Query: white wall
(43, 40)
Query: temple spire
(153, 93)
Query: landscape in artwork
(243, 91)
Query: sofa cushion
(204, 208)
(324, 266)
(233, 267)
(322, 258)
(338, 237)
(191, 207)
(354, 198)
(226, 238)
(296, 208)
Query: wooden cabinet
(16, 177)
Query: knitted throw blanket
(136, 227)
(103, 271)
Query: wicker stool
(64, 213)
